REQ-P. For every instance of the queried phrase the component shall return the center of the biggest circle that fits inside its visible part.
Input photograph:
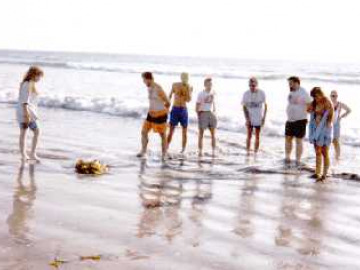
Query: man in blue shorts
(179, 114)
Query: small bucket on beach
(94, 167)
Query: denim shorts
(33, 125)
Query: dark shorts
(179, 115)
(157, 120)
(254, 127)
(296, 129)
(33, 125)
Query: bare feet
(24, 158)
(200, 153)
(34, 157)
(140, 155)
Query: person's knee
(144, 133)
(299, 141)
(36, 132)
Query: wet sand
(212, 214)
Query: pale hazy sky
(272, 29)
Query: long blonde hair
(31, 74)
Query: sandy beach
(208, 214)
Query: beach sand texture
(212, 214)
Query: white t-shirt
(27, 97)
(297, 104)
(206, 100)
(254, 101)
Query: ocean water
(225, 213)
(111, 84)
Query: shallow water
(233, 212)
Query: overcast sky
(324, 30)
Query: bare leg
(257, 139)
(184, 139)
(299, 149)
(200, 142)
(337, 148)
(319, 157)
(144, 141)
(22, 144)
(248, 138)
(164, 144)
(34, 145)
(171, 133)
(288, 148)
(325, 153)
(213, 140)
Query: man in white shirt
(205, 109)
(255, 110)
(298, 103)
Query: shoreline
(182, 215)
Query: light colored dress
(31, 99)
(320, 134)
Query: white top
(155, 102)
(297, 105)
(31, 99)
(254, 102)
(206, 101)
(337, 111)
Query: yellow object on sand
(90, 167)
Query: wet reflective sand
(212, 214)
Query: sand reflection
(161, 198)
(302, 217)
(23, 201)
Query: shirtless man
(205, 108)
(255, 110)
(156, 119)
(179, 114)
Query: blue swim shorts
(179, 115)
(33, 125)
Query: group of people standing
(324, 124)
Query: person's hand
(263, 122)
(248, 124)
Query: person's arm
(247, 115)
(198, 104)
(188, 94)
(329, 107)
(214, 106)
(265, 113)
(265, 109)
(309, 103)
(347, 111)
(172, 92)
(164, 98)
(25, 103)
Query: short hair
(147, 75)
(253, 79)
(294, 79)
(208, 79)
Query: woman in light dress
(27, 112)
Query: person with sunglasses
(341, 111)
